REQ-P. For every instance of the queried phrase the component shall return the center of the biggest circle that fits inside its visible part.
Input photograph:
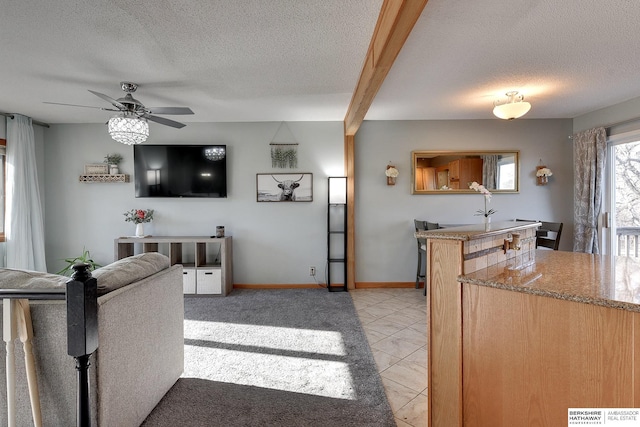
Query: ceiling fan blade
(109, 100)
(170, 110)
(76, 105)
(164, 121)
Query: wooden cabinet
(454, 174)
(520, 348)
(442, 176)
(464, 171)
(207, 261)
(451, 252)
(519, 355)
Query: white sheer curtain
(24, 223)
(426, 179)
(589, 158)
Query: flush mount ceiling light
(214, 153)
(513, 108)
(128, 129)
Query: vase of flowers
(542, 175)
(139, 217)
(485, 213)
(391, 173)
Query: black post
(82, 333)
(83, 404)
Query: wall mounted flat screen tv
(180, 170)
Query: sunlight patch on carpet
(274, 337)
(286, 373)
(288, 359)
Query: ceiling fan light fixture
(128, 129)
(514, 107)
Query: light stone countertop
(591, 279)
(475, 231)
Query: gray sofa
(140, 344)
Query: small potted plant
(85, 258)
(113, 160)
(485, 213)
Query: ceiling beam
(395, 22)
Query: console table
(207, 261)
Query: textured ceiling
(273, 60)
(567, 57)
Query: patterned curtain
(589, 156)
(490, 172)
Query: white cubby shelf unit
(207, 261)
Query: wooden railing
(628, 241)
(82, 338)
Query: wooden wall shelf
(105, 178)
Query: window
(621, 235)
(506, 173)
(3, 158)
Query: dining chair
(548, 234)
(422, 251)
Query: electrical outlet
(312, 271)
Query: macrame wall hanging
(284, 149)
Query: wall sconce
(391, 173)
(542, 174)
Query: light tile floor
(395, 322)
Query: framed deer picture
(284, 187)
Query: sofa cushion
(18, 279)
(128, 270)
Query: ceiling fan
(130, 126)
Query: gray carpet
(275, 358)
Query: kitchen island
(450, 252)
(517, 336)
(563, 332)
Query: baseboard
(370, 285)
(277, 286)
(359, 285)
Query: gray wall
(273, 242)
(626, 114)
(276, 243)
(385, 246)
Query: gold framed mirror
(451, 172)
